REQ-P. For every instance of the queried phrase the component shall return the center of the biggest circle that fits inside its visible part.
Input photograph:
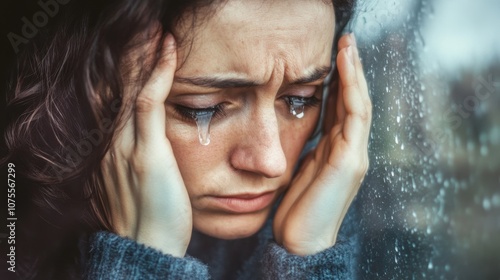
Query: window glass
(430, 205)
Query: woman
(169, 132)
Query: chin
(230, 226)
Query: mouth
(243, 203)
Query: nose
(259, 150)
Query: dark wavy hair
(63, 100)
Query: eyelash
(188, 113)
(312, 101)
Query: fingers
(348, 77)
(136, 64)
(141, 53)
(363, 87)
(350, 40)
(330, 113)
(340, 116)
(354, 91)
(360, 74)
(150, 103)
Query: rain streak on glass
(430, 204)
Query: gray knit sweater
(257, 257)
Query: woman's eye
(297, 104)
(202, 117)
(195, 113)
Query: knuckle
(167, 60)
(360, 167)
(137, 164)
(369, 107)
(350, 85)
(144, 103)
(364, 115)
(359, 115)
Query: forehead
(257, 39)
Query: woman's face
(246, 63)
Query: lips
(243, 203)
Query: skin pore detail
(248, 78)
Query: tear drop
(297, 111)
(297, 108)
(203, 122)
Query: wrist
(303, 245)
(160, 240)
(307, 248)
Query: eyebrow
(317, 74)
(217, 82)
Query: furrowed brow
(218, 82)
(214, 82)
(317, 74)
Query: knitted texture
(336, 262)
(332, 263)
(115, 257)
(255, 257)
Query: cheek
(294, 133)
(200, 165)
(205, 167)
(192, 158)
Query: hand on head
(147, 198)
(310, 215)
